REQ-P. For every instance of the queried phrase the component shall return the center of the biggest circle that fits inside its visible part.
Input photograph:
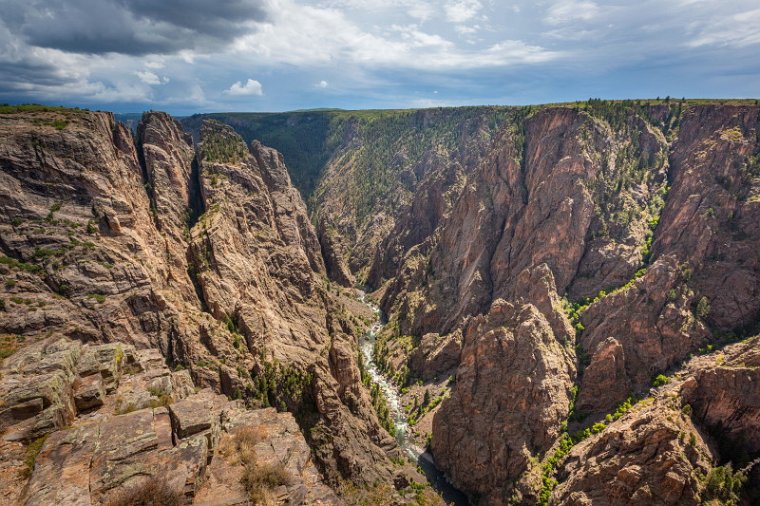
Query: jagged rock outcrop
(257, 255)
(712, 217)
(653, 322)
(666, 448)
(275, 440)
(258, 269)
(513, 390)
(724, 395)
(651, 456)
(545, 198)
(436, 356)
(334, 256)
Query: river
(422, 457)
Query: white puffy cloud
(148, 77)
(322, 84)
(459, 11)
(309, 36)
(251, 87)
(466, 30)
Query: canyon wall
(568, 255)
(571, 292)
(204, 254)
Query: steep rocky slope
(364, 168)
(627, 230)
(205, 254)
(683, 444)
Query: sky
(188, 56)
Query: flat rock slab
(197, 413)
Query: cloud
(466, 30)
(374, 52)
(460, 11)
(310, 37)
(417, 9)
(148, 77)
(420, 10)
(566, 11)
(251, 87)
(135, 27)
(416, 38)
(739, 30)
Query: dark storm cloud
(16, 76)
(133, 27)
(220, 19)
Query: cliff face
(206, 255)
(511, 395)
(629, 229)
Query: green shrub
(162, 400)
(660, 380)
(624, 408)
(723, 484)
(703, 308)
(8, 346)
(99, 298)
(123, 410)
(12, 262)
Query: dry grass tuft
(149, 492)
(259, 479)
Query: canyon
(570, 302)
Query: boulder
(89, 392)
